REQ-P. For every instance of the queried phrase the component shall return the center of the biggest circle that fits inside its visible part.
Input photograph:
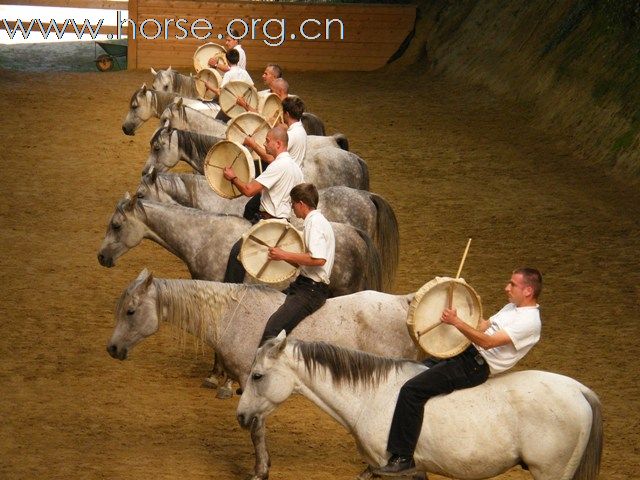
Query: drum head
(210, 75)
(254, 251)
(271, 109)
(443, 341)
(204, 52)
(248, 124)
(225, 154)
(231, 91)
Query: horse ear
(169, 69)
(145, 277)
(153, 173)
(179, 102)
(153, 72)
(144, 88)
(132, 200)
(278, 346)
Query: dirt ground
(453, 161)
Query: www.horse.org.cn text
(272, 31)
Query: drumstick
(452, 284)
(286, 230)
(450, 293)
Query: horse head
(124, 232)
(163, 152)
(136, 316)
(269, 384)
(140, 110)
(163, 80)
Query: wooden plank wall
(372, 33)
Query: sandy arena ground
(453, 161)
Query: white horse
(325, 164)
(549, 423)
(362, 209)
(203, 240)
(172, 81)
(146, 103)
(231, 318)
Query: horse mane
(195, 145)
(161, 100)
(182, 83)
(184, 303)
(346, 366)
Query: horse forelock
(346, 366)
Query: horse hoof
(224, 393)
(210, 382)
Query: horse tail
(387, 238)
(364, 168)
(342, 141)
(372, 267)
(590, 462)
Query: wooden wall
(372, 33)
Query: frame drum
(211, 75)
(435, 338)
(248, 124)
(228, 154)
(271, 109)
(204, 52)
(231, 91)
(255, 250)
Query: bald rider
(274, 186)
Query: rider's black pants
(465, 370)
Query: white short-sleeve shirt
(523, 326)
(297, 142)
(278, 179)
(242, 63)
(235, 73)
(321, 243)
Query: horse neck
(174, 228)
(342, 402)
(176, 187)
(192, 148)
(196, 307)
(160, 101)
(183, 84)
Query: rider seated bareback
(496, 346)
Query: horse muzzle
(115, 353)
(105, 261)
(246, 421)
(128, 130)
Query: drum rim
(232, 106)
(245, 236)
(266, 99)
(416, 302)
(202, 47)
(218, 78)
(245, 150)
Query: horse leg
(263, 462)
(225, 391)
(216, 376)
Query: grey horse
(172, 81)
(146, 103)
(203, 240)
(325, 164)
(359, 208)
(231, 318)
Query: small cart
(105, 61)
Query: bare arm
(296, 259)
(476, 335)
(262, 153)
(247, 189)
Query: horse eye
(156, 147)
(139, 194)
(256, 376)
(116, 226)
(130, 311)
